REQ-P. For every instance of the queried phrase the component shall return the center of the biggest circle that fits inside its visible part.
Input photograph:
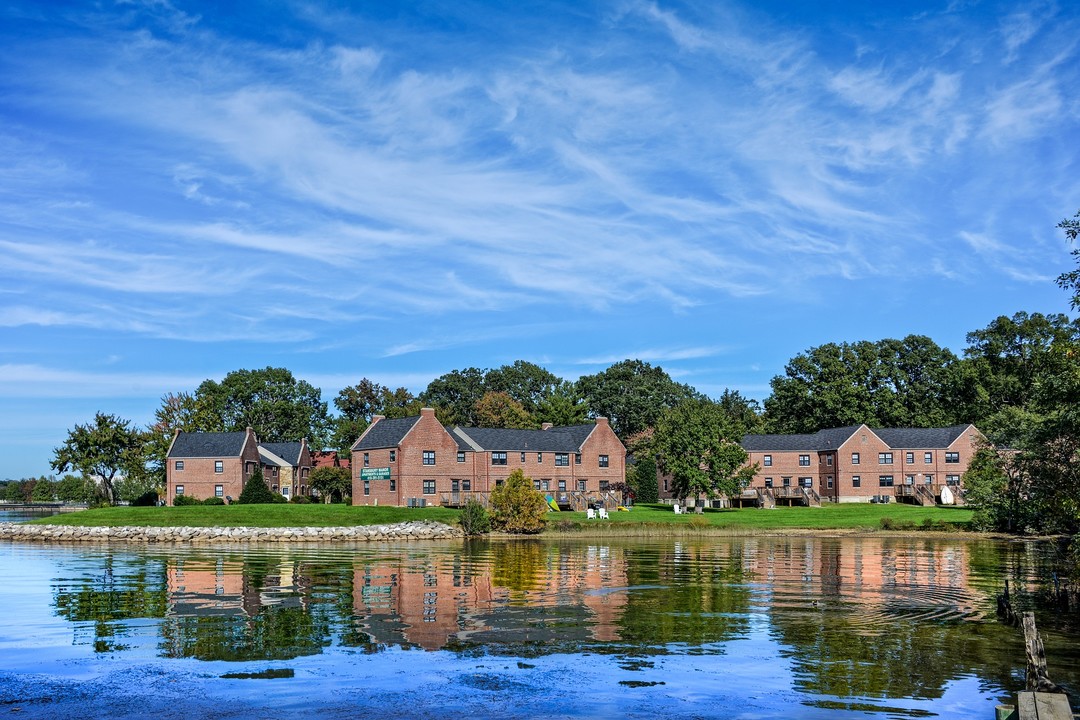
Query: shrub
(213, 501)
(643, 481)
(474, 518)
(279, 499)
(516, 507)
(255, 491)
(301, 499)
(180, 500)
(699, 522)
(147, 499)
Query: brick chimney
(377, 418)
(546, 426)
(427, 412)
(601, 420)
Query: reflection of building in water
(224, 587)
(524, 593)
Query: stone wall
(412, 530)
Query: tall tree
(698, 445)
(499, 410)
(526, 382)
(454, 395)
(359, 403)
(276, 405)
(178, 411)
(104, 449)
(632, 394)
(1070, 281)
(564, 406)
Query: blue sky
(395, 190)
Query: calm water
(735, 628)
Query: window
(828, 459)
(455, 486)
(603, 461)
(928, 479)
(928, 457)
(909, 479)
(546, 484)
(885, 481)
(953, 480)
(466, 484)
(562, 486)
(952, 457)
(804, 461)
(393, 456)
(536, 484)
(786, 482)
(429, 457)
(854, 458)
(461, 456)
(581, 485)
(179, 489)
(393, 485)
(219, 491)
(768, 482)
(523, 459)
(219, 466)
(884, 458)
(367, 460)
(767, 461)
(285, 491)
(665, 485)
(539, 457)
(562, 459)
(498, 458)
(429, 487)
(909, 458)
(179, 465)
(806, 481)
(367, 487)
(577, 458)
(603, 485)
(273, 471)
(829, 481)
(856, 481)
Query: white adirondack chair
(590, 514)
(603, 513)
(678, 510)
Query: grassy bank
(641, 519)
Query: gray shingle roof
(386, 433)
(288, 451)
(562, 439)
(918, 438)
(832, 438)
(207, 444)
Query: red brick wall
(199, 479)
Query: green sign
(375, 473)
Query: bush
(301, 500)
(474, 518)
(643, 481)
(213, 501)
(256, 492)
(180, 500)
(279, 499)
(516, 507)
(147, 499)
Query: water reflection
(852, 617)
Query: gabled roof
(779, 443)
(918, 438)
(271, 458)
(288, 451)
(386, 433)
(208, 444)
(561, 439)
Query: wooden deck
(1037, 706)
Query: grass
(853, 516)
(641, 519)
(266, 516)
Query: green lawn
(826, 517)
(643, 517)
(285, 515)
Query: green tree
(44, 490)
(276, 405)
(331, 482)
(1070, 281)
(564, 406)
(454, 396)
(255, 491)
(75, 488)
(632, 394)
(104, 449)
(994, 486)
(641, 476)
(527, 383)
(516, 507)
(698, 445)
(178, 411)
(499, 410)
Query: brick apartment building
(404, 460)
(857, 463)
(217, 464)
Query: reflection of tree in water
(689, 593)
(519, 565)
(124, 591)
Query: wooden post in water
(1038, 679)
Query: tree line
(1018, 381)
